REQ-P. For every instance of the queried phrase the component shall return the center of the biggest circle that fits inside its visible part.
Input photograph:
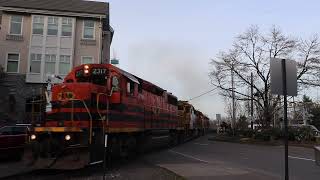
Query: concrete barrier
(317, 154)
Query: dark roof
(79, 6)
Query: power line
(203, 94)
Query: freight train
(103, 111)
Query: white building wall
(48, 44)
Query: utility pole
(233, 101)
(251, 100)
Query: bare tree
(251, 52)
(229, 109)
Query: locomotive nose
(56, 151)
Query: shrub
(300, 134)
(268, 134)
(305, 134)
(245, 132)
(264, 135)
(292, 132)
(242, 124)
(229, 132)
(276, 133)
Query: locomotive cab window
(139, 88)
(187, 109)
(130, 88)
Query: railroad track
(92, 172)
(54, 174)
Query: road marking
(160, 137)
(306, 159)
(201, 144)
(97, 162)
(188, 156)
(73, 145)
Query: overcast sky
(170, 42)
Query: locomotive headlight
(86, 66)
(33, 137)
(67, 137)
(86, 71)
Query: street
(123, 90)
(204, 159)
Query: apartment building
(41, 38)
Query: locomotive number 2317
(99, 71)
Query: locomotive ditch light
(33, 137)
(67, 137)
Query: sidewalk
(217, 170)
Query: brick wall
(14, 92)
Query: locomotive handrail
(90, 130)
(72, 111)
(103, 119)
(86, 107)
(98, 96)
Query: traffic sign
(277, 77)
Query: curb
(261, 143)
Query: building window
(38, 23)
(16, 25)
(35, 63)
(88, 29)
(66, 27)
(50, 64)
(52, 26)
(13, 62)
(64, 64)
(86, 60)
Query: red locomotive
(101, 105)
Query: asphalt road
(204, 159)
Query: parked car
(12, 141)
(312, 127)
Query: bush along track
(274, 136)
